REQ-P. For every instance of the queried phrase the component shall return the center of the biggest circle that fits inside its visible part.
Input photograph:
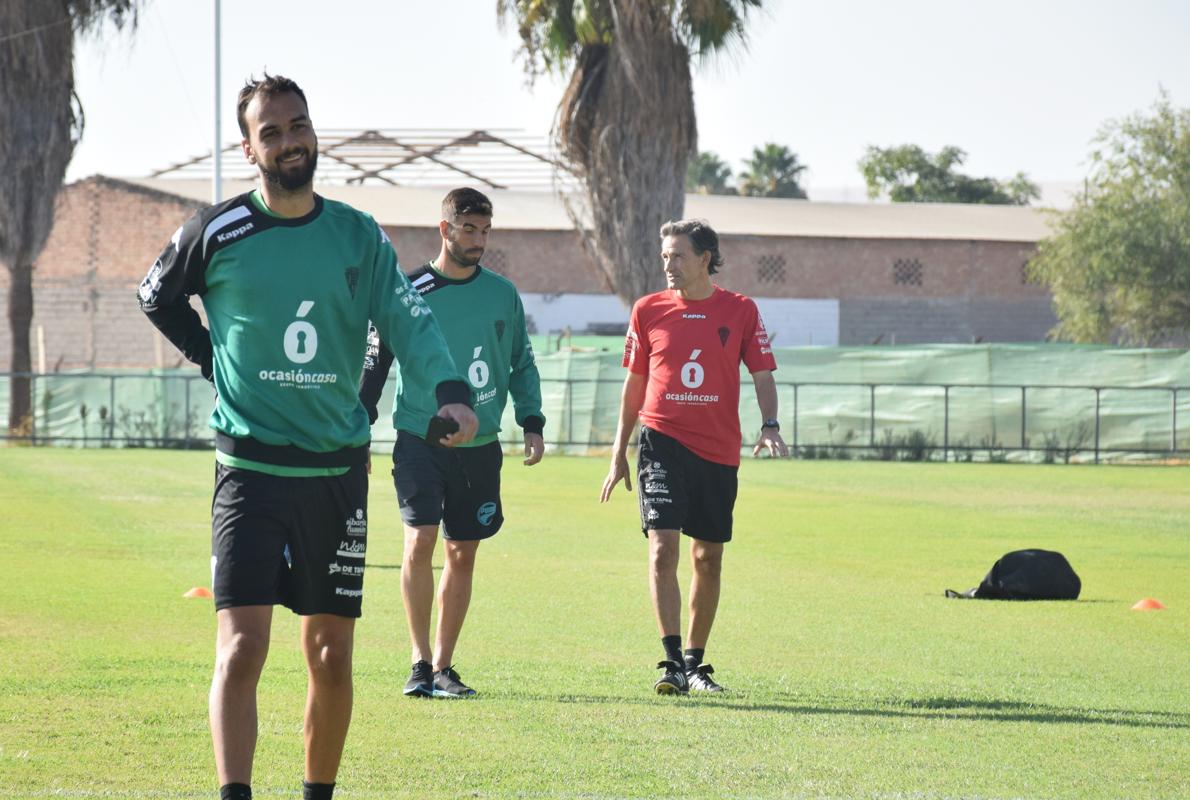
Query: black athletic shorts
(456, 486)
(681, 491)
(297, 542)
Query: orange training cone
(198, 591)
(1148, 604)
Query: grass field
(851, 676)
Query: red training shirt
(691, 352)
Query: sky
(1020, 85)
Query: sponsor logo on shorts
(652, 514)
(357, 525)
(349, 592)
(485, 513)
(350, 570)
(351, 549)
(658, 501)
(656, 488)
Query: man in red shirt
(683, 354)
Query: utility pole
(216, 147)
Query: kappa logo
(485, 513)
(694, 316)
(235, 233)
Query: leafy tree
(1118, 263)
(626, 121)
(908, 174)
(41, 122)
(773, 171)
(708, 174)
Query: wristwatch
(772, 423)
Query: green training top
(483, 321)
(288, 303)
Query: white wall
(790, 322)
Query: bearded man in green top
(289, 281)
(484, 323)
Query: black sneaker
(448, 684)
(700, 679)
(674, 680)
(421, 680)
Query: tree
(708, 174)
(42, 122)
(626, 121)
(1118, 263)
(908, 174)
(773, 171)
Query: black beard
(292, 181)
(460, 255)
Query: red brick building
(907, 273)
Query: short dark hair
(459, 202)
(702, 236)
(268, 86)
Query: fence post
(111, 408)
(1096, 424)
(945, 424)
(871, 415)
(33, 408)
(1173, 425)
(186, 430)
(1024, 444)
(795, 420)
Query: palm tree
(626, 121)
(708, 174)
(42, 121)
(773, 171)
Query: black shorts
(681, 491)
(456, 486)
(297, 542)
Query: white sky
(1018, 84)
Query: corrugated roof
(759, 216)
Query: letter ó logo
(479, 372)
(301, 339)
(692, 372)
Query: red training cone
(1148, 604)
(198, 591)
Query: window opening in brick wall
(771, 269)
(907, 272)
(495, 260)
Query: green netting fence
(955, 402)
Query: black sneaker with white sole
(700, 679)
(448, 684)
(421, 680)
(673, 681)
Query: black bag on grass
(1027, 575)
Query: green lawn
(851, 676)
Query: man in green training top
(289, 281)
(484, 323)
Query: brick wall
(107, 233)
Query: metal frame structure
(498, 159)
